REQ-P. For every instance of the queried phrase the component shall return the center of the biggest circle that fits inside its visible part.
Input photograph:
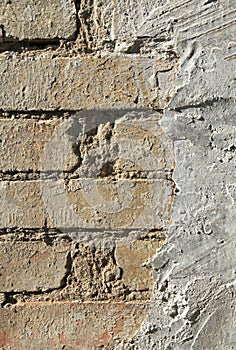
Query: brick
(27, 144)
(125, 204)
(115, 181)
(21, 204)
(106, 204)
(44, 81)
(106, 184)
(37, 20)
(23, 143)
(131, 257)
(32, 266)
(98, 204)
(113, 272)
(69, 325)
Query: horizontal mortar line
(110, 55)
(12, 180)
(15, 45)
(57, 230)
(74, 302)
(24, 114)
(66, 113)
(29, 42)
(78, 230)
(9, 172)
(92, 179)
(143, 171)
(67, 172)
(6, 230)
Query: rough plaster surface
(117, 170)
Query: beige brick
(132, 257)
(32, 266)
(22, 143)
(28, 144)
(97, 204)
(115, 274)
(46, 82)
(117, 180)
(29, 19)
(107, 204)
(69, 325)
(21, 204)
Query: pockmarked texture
(22, 143)
(32, 267)
(99, 182)
(117, 175)
(37, 20)
(46, 81)
(91, 214)
(69, 325)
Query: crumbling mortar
(13, 45)
(37, 115)
(78, 24)
(15, 175)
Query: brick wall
(117, 145)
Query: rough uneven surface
(22, 142)
(37, 20)
(44, 81)
(117, 175)
(32, 267)
(69, 325)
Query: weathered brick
(119, 176)
(32, 266)
(23, 142)
(98, 204)
(131, 257)
(69, 325)
(106, 184)
(101, 204)
(48, 82)
(115, 271)
(35, 145)
(30, 20)
(21, 205)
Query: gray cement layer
(194, 297)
